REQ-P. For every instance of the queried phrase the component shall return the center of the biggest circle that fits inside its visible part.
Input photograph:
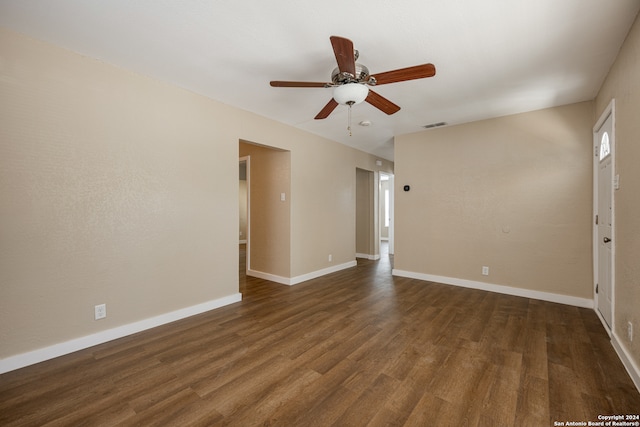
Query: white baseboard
(508, 290)
(368, 256)
(302, 278)
(319, 273)
(268, 276)
(628, 362)
(606, 327)
(25, 359)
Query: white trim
(391, 238)
(302, 278)
(604, 323)
(508, 290)
(270, 277)
(247, 160)
(368, 256)
(630, 365)
(376, 211)
(324, 271)
(25, 359)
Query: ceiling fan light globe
(350, 93)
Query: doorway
(386, 210)
(374, 214)
(603, 232)
(244, 212)
(365, 215)
(268, 250)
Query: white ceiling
(493, 57)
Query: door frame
(247, 160)
(391, 211)
(608, 111)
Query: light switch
(283, 197)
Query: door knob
(606, 240)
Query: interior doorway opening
(374, 214)
(268, 247)
(243, 220)
(367, 242)
(385, 216)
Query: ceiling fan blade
(343, 49)
(277, 83)
(382, 103)
(324, 113)
(404, 74)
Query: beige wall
(116, 189)
(623, 85)
(110, 194)
(511, 193)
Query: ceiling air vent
(435, 125)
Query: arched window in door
(605, 146)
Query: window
(605, 147)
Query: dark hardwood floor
(353, 348)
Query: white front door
(604, 230)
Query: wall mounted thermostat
(407, 188)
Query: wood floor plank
(533, 402)
(356, 347)
(410, 391)
(368, 403)
(432, 410)
(179, 409)
(312, 398)
(341, 346)
(500, 401)
(565, 399)
(534, 354)
(262, 407)
(339, 401)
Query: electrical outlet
(100, 311)
(485, 270)
(330, 257)
(630, 331)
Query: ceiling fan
(350, 80)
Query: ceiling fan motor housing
(362, 75)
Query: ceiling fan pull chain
(349, 125)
